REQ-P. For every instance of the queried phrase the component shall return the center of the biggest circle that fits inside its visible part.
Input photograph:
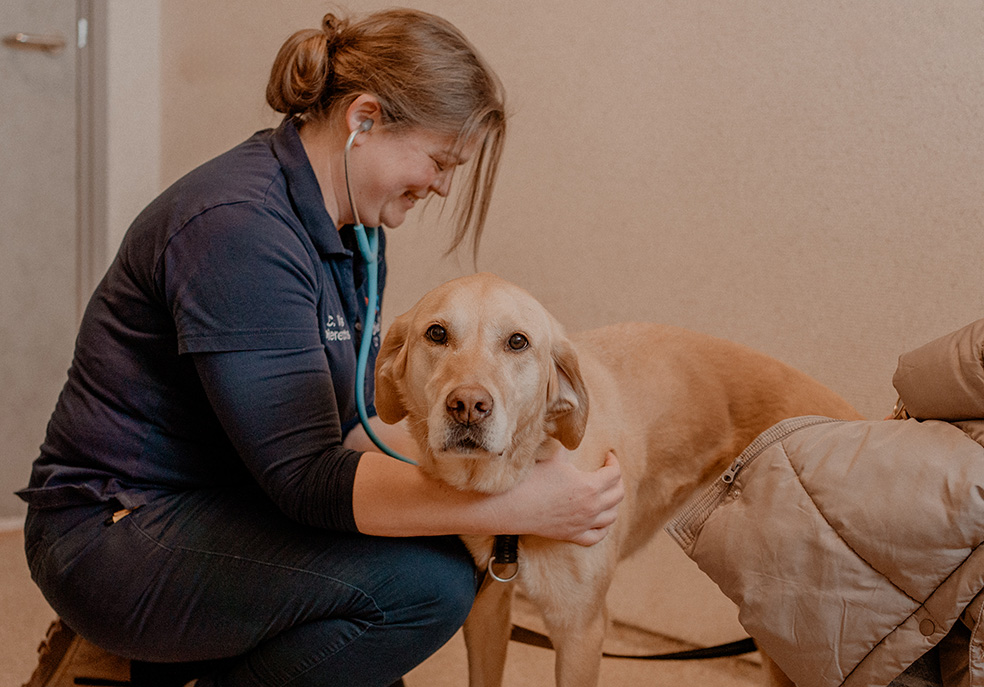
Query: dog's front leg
(487, 631)
(578, 636)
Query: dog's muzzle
(468, 411)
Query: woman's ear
(363, 109)
(391, 367)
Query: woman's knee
(440, 583)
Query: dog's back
(678, 406)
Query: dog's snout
(469, 404)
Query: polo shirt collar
(304, 191)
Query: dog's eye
(437, 334)
(518, 342)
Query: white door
(39, 233)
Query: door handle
(46, 42)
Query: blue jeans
(220, 576)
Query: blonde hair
(424, 73)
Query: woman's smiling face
(391, 170)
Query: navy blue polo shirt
(220, 347)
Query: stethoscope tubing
(368, 242)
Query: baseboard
(13, 524)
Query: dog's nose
(469, 404)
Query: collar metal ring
(502, 579)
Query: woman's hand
(559, 501)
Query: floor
(528, 666)
(24, 614)
(24, 617)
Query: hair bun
(332, 27)
(300, 73)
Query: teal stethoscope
(505, 550)
(368, 240)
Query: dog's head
(483, 374)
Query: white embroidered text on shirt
(335, 329)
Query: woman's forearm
(395, 499)
(557, 500)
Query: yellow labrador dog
(487, 379)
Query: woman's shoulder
(249, 172)
(244, 187)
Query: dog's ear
(567, 396)
(391, 366)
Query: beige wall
(803, 177)
(133, 112)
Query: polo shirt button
(358, 326)
(927, 627)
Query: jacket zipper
(775, 433)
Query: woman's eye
(437, 334)
(518, 342)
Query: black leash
(505, 552)
(742, 646)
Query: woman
(201, 495)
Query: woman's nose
(442, 183)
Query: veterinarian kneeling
(194, 506)
(853, 548)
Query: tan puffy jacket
(852, 548)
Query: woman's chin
(392, 221)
